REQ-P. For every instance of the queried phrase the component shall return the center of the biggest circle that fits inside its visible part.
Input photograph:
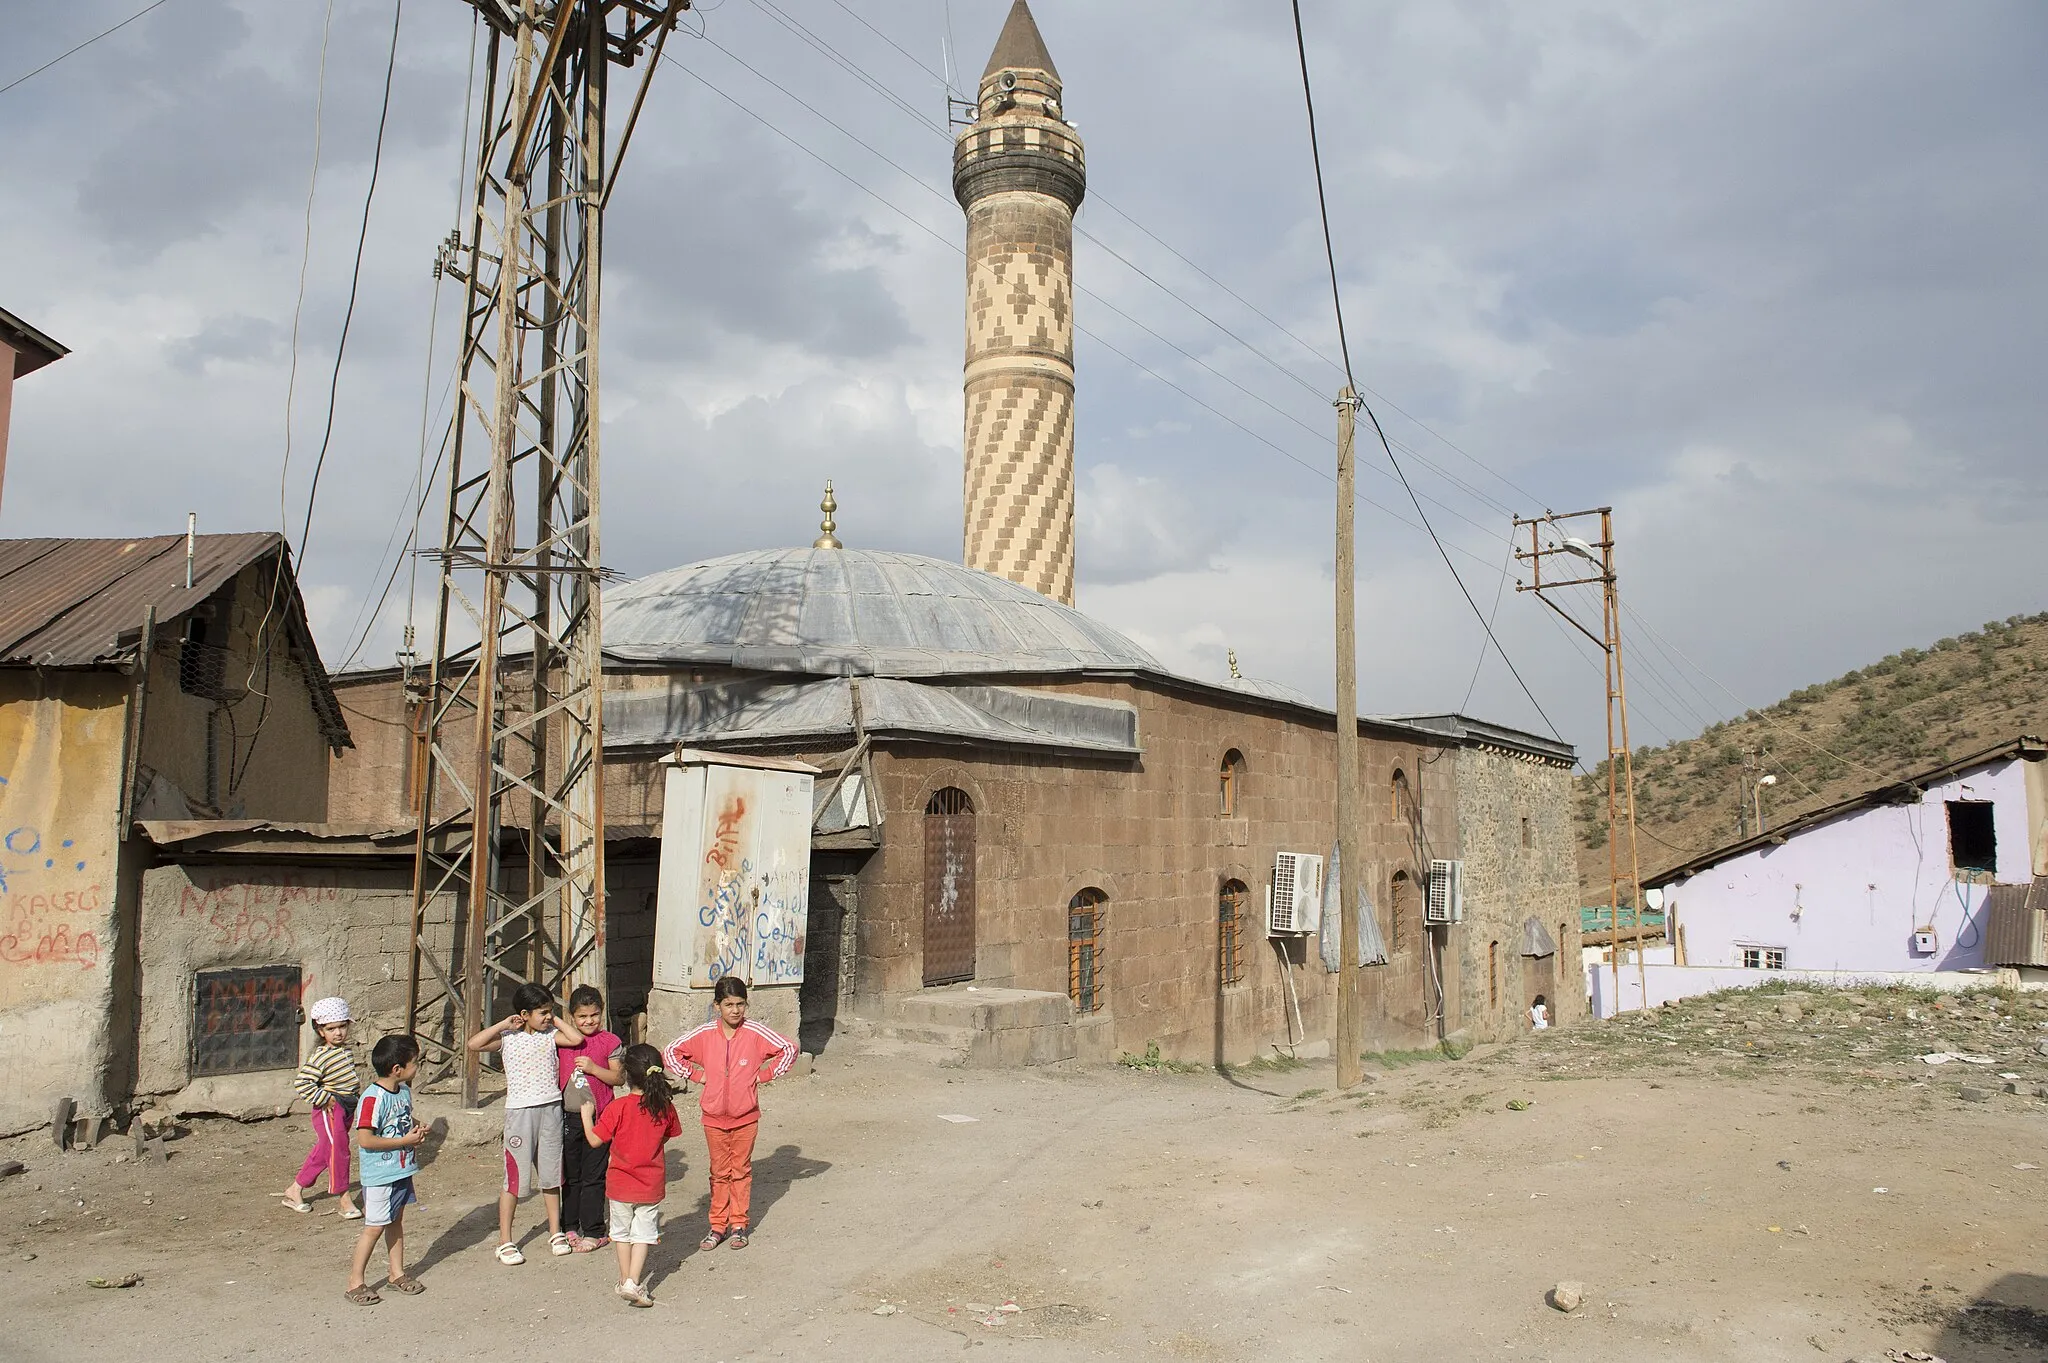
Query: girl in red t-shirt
(637, 1128)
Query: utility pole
(1348, 1040)
(1598, 558)
(520, 571)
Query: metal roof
(79, 603)
(765, 711)
(1907, 790)
(856, 612)
(1270, 690)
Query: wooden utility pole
(1348, 1041)
(519, 561)
(1598, 558)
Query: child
(587, 1071)
(533, 1120)
(729, 1056)
(330, 1082)
(1539, 1014)
(388, 1136)
(635, 1129)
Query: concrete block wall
(344, 926)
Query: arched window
(1399, 801)
(1084, 949)
(1400, 909)
(1232, 779)
(1230, 911)
(948, 887)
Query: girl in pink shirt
(730, 1057)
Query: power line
(811, 38)
(1337, 301)
(940, 195)
(72, 52)
(355, 280)
(956, 249)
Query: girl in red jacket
(729, 1056)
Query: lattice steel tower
(508, 725)
(1019, 174)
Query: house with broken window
(1930, 874)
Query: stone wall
(1152, 837)
(1516, 840)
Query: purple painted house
(1899, 878)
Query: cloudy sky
(1769, 279)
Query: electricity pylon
(508, 726)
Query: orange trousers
(732, 1174)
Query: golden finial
(831, 504)
(1235, 675)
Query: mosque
(1038, 809)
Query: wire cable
(355, 280)
(72, 52)
(1337, 301)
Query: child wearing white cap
(330, 1082)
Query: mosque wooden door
(948, 888)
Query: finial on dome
(1235, 675)
(831, 504)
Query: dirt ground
(1719, 1200)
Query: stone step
(983, 1010)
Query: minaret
(1018, 173)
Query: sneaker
(628, 1289)
(559, 1243)
(640, 1297)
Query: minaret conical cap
(1020, 48)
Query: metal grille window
(1230, 904)
(1763, 958)
(244, 1020)
(1401, 901)
(1232, 781)
(1084, 949)
(948, 887)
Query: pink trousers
(330, 1149)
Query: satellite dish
(1655, 899)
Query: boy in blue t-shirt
(388, 1137)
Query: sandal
(350, 1213)
(560, 1243)
(585, 1244)
(300, 1207)
(407, 1284)
(738, 1238)
(363, 1296)
(712, 1241)
(508, 1253)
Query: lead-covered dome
(855, 612)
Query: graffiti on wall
(735, 888)
(49, 910)
(239, 911)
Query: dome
(855, 612)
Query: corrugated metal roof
(81, 602)
(856, 612)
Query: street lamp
(1757, 797)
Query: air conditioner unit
(1445, 902)
(1297, 902)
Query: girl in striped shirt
(330, 1083)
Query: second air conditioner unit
(1296, 905)
(1445, 902)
